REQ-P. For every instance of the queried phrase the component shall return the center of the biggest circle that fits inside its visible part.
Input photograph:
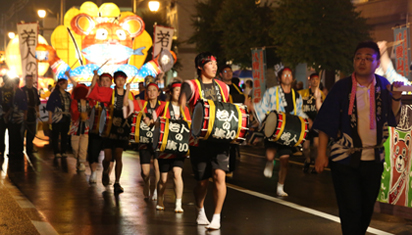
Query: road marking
(299, 207)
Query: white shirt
(176, 110)
(367, 135)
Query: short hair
(249, 82)
(119, 74)
(225, 67)
(371, 45)
(201, 59)
(314, 75)
(236, 80)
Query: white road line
(300, 208)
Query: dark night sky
(29, 12)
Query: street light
(11, 35)
(154, 6)
(41, 13)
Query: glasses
(227, 71)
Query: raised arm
(94, 80)
(67, 73)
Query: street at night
(58, 200)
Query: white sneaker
(93, 177)
(81, 167)
(269, 169)
(178, 208)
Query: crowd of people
(100, 118)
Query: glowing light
(11, 35)
(41, 13)
(154, 6)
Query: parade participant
(209, 159)
(356, 117)
(146, 152)
(33, 103)
(79, 131)
(99, 97)
(14, 103)
(236, 97)
(116, 133)
(58, 107)
(168, 162)
(312, 101)
(279, 98)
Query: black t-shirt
(31, 114)
(119, 102)
(209, 91)
(237, 97)
(289, 101)
(7, 96)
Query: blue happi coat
(333, 119)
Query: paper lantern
(13, 58)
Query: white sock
(178, 206)
(280, 190)
(215, 224)
(201, 216)
(154, 197)
(268, 169)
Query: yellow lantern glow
(13, 58)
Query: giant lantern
(101, 38)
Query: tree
(321, 33)
(244, 25)
(206, 36)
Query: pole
(134, 6)
(62, 7)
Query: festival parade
(180, 117)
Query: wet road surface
(65, 199)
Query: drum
(285, 129)
(218, 121)
(171, 136)
(140, 132)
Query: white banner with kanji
(162, 39)
(28, 35)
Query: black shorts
(208, 157)
(95, 146)
(114, 144)
(146, 155)
(280, 149)
(166, 165)
(311, 135)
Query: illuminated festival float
(104, 39)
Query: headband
(287, 69)
(153, 84)
(177, 84)
(106, 75)
(315, 76)
(209, 58)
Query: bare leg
(157, 177)
(284, 160)
(219, 195)
(119, 163)
(270, 156)
(219, 191)
(106, 166)
(200, 192)
(161, 187)
(177, 177)
(145, 173)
